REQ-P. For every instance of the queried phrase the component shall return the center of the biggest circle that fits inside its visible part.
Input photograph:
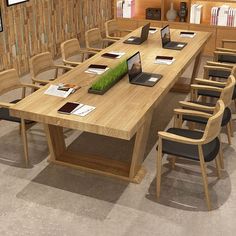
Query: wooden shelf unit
(219, 32)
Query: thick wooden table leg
(196, 67)
(56, 141)
(185, 88)
(137, 172)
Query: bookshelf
(218, 32)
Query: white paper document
(83, 110)
(152, 31)
(119, 54)
(96, 71)
(164, 61)
(54, 90)
(187, 35)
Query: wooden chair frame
(225, 89)
(94, 36)
(71, 48)
(9, 81)
(44, 62)
(211, 131)
(113, 31)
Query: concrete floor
(46, 199)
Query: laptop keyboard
(171, 44)
(142, 78)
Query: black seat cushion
(219, 74)
(190, 151)
(5, 115)
(202, 120)
(227, 58)
(214, 94)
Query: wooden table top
(122, 110)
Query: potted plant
(109, 78)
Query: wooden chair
(223, 47)
(44, 62)
(218, 71)
(193, 145)
(113, 31)
(224, 93)
(225, 55)
(94, 41)
(9, 81)
(72, 48)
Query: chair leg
(24, 139)
(218, 169)
(204, 177)
(172, 162)
(231, 128)
(229, 134)
(221, 155)
(159, 168)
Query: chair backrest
(234, 71)
(9, 80)
(213, 126)
(41, 63)
(93, 37)
(111, 28)
(70, 48)
(227, 92)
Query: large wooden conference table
(124, 112)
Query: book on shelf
(223, 16)
(126, 8)
(196, 13)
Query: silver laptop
(137, 76)
(166, 41)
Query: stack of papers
(184, 35)
(82, 110)
(152, 30)
(96, 71)
(60, 90)
(164, 61)
(118, 54)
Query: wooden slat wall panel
(41, 25)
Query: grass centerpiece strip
(109, 78)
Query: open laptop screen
(134, 66)
(145, 32)
(165, 35)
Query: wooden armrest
(72, 63)
(205, 88)
(220, 64)
(192, 113)
(195, 106)
(6, 104)
(126, 30)
(109, 40)
(41, 82)
(178, 138)
(225, 50)
(30, 85)
(217, 66)
(84, 50)
(113, 38)
(95, 50)
(228, 41)
(64, 67)
(225, 53)
(210, 82)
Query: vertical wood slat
(42, 25)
